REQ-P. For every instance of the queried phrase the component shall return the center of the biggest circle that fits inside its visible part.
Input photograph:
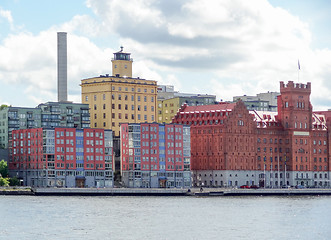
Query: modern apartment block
(155, 155)
(119, 98)
(232, 146)
(64, 114)
(62, 157)
(260, 102)
(12, 118)
(50, 114)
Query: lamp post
(264, 181)
(285, 169)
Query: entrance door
(80, 182)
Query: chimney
(62, 66)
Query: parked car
(254, 187)
(299, 187)
(245, 186)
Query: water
(30, 217)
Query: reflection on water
(30, 217)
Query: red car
(245, 186)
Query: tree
(3, 106)
(14, 181)
(3, 168)
(4, 182)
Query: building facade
(155, 155)
(119, 98)
(261, 102)
(167, 108)
(17, 118)
(62, 157)
(50, 114)
(232, 146)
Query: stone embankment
(16, 191)
(261, 192)
(206, 192)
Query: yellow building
(167, 109)
(119, 98)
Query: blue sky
(226, 48)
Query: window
(95, 97)
(86, 98)
(104, 96)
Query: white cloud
(250, 44)
(238, 47)
(7, 15)
(31, 60)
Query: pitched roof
(207, 108)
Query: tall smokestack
(62, 66)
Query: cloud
(7, 15)
(31, 60)
(227, 48)
(251, 44)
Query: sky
(226, 48)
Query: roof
(327, 114)
(208, 108)
(265, 118)
(319, 121)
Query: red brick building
(155, 155)
(62, 157)
(231, 146)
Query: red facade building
(62, 157)
(232, 146)
(155, 155)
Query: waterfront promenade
(207, 192)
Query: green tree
(4, 182)
(3, 106)
(14, 181)
(3, 168)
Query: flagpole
(298, 70)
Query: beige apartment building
(120, 98)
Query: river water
(31, 217)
